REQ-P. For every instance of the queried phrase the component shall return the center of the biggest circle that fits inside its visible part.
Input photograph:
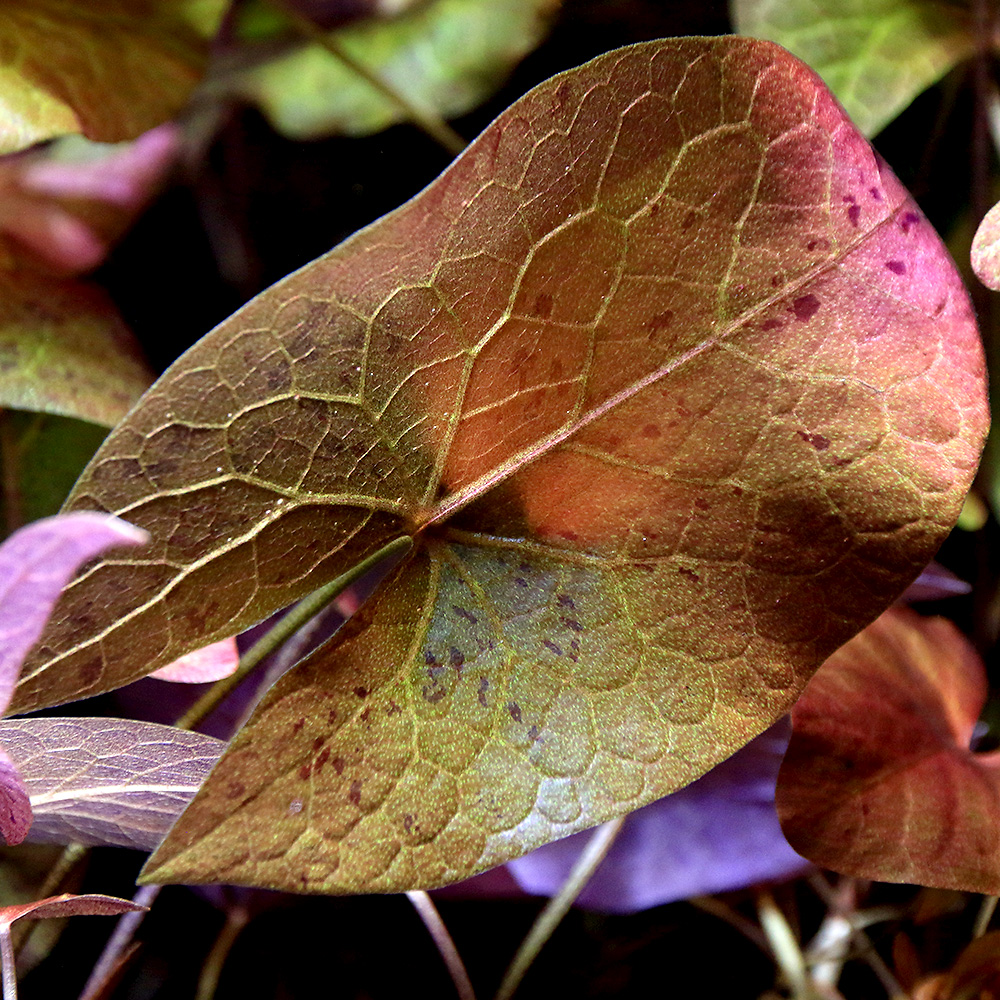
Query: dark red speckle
(909, 220)
(318, 742)
(393, 709)
(484, 686)
(651, 431)
(304, 771)
(896, 266)
(660, 321)
(520, 581)
(854, 214)
(565, 601)
(331, 717)
(543, 305)
(805, 307)
(819, 442)
(772, 324)
(298, 725)
(338, 764)
(689, 573)
(354, 795)
(408, 822)
(467, 615)
(551, 645)
(322, 759)
(515, 711)
(429, 658)
(361, 692)
(457, 657)
(570, 623)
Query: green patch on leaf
(875, 55)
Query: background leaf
(110, 69)
(875, 55)
(106, 781)
(15, 807)
(986, 249)
(446, 56)
(879, 780)
(35, 564)
(67, 905)
(210, 663)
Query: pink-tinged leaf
(68, 905)
(210, 663)
(36, 562)
(986, 249)
(717, 834)
(107, 781)
(879, 780)
(15, 805)
(68, 201)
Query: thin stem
(10, 460)
(440, 131)
(211, 970)
(786, 949)
(558, 906)
(428, 913)
(709, 904)
(985, 915)
(124, 930)
(8, 961)
(284, 629)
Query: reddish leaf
(15, 805)
(879, 780)
(35, 564)
(210, 663)
(674, 388)
(68, 905)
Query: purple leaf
(15, 806)
(934, 584)
(717, 834)
(107, 781)
(35, 564)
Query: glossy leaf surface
(110, 69)
(875, 55)
(674, 387)
(106, 781)
(446, 56)
(879, 781)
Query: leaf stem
(428, 913)
(558, 906)
(785, 947)
(284, 629)
(7, 960)
(438, 129)
(10, 460)
(985, 915)
(211, 970)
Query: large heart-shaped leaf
(674, 388)
(879, 780)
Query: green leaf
(110, 69)
(65, 350)
(875, 55)
(445, 56)
(674, 389)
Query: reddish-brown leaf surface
(68, 905)
(879, 780)
(675, 389)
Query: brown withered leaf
(879, 780)
(674, 388)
